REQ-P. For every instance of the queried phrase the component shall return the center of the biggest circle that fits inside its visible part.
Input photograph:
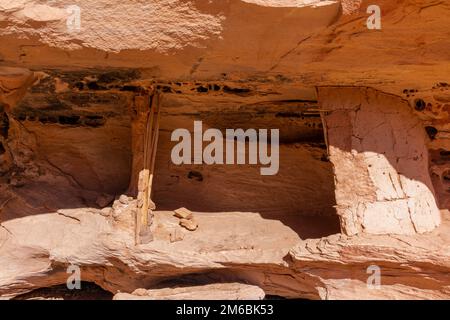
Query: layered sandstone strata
(363, 119)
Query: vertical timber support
(145, 127)
(140, 108)
(144, 218)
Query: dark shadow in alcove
(88, 291)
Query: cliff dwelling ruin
(89, 145)
(83, 147)
(86, 140)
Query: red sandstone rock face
(364, 169)
(13, 85)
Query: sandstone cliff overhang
(365, 110)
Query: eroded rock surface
(364, 146)
(246, 249)
(378, 149)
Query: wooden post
(148, 149)
(151, 137)
(143, 186)
(154, 150)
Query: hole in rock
(237, 91)
(420, 104)
(72, 120)
(195, 175)
(446, 176)
(432, 132)
(94, 121)
(301, 195)
(202, 89)
(4, 125)
(444, 153)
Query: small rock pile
(187, 220)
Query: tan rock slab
(190, 225)
(183, 213)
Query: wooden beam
(151, 138)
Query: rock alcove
(364, 155)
